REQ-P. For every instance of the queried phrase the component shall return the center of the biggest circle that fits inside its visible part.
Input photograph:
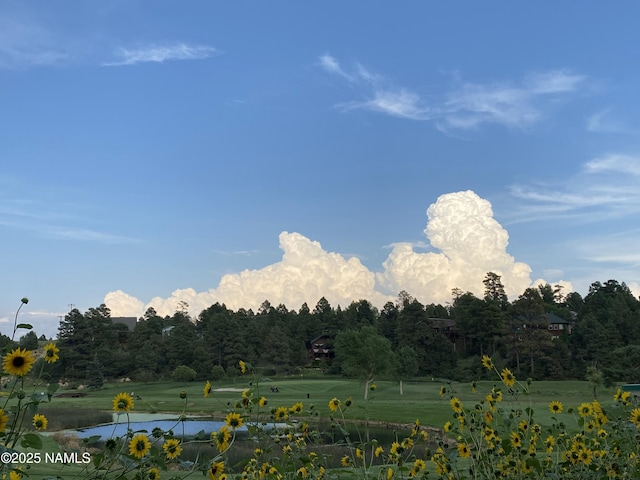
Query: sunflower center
(18, 361)
(140, 446)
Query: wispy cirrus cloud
(606, 187)
(381, 95)
(464, 106)
(26, 44)
(515, 106)
(34, 217)
(603, 121)
(156, 53)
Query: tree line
(434, 340)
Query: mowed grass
(421, 399)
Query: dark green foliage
(601, 330)
(217, 372)
(363, 353)
(182, 373)
(29, 341)
(95, 374)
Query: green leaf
(24, 325)
(97, 459)
(91, 439)
(31, 440)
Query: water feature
(181, 428)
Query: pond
(185, 429)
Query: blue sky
(155, 152)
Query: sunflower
(139, 445)
(456, 404)
(555, 407)
(516, 440)
(487, 362)
(443, 390)
(110, 444)
(345, 461)
(489, 433)
(447, 427)
(617, 395)
(549, 443)
(4, 419)
(334, 404)
(172, 448)
(51, 353)
(378, 451)
(625, 397)
(359, 454)
(216, 470)
(281, 413)
(207, 389)
(585, 409)
(586, 456)
(153, 474)
(463, 450)
(123, 402)
(222, 438)
(416, 428)
(488, 417)
(234, 420)
(243, 367)
(296, 408)
(262, 402)
(40, 422)
(635, 416)
(18, 362)
(508, 378)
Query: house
(557, 326)
(320, 349)
(550, 321)
(448, 328)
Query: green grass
(421, 400)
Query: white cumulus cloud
(471, 243)
(460, 225)
(123, 305)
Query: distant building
(448, 328)
(549, 321)
(167, 330)
(320, 348)
(557, 325)
(130, 322)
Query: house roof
(549, 318)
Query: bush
(182, 373)
(217, 373)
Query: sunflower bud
(24, 300)
(183, 394)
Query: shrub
(182, 373)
